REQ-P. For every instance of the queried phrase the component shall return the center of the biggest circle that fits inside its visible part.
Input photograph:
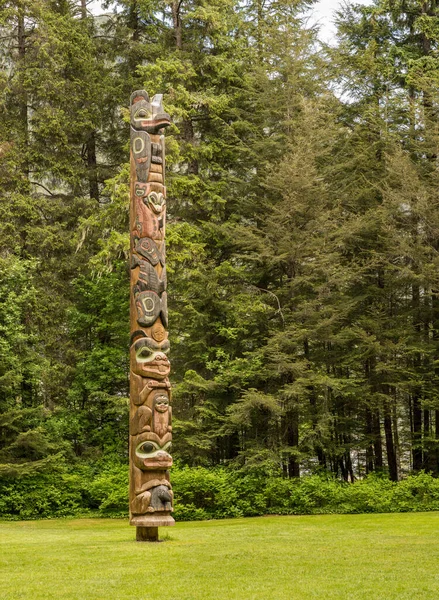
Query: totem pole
(151, 495)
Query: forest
(302, 241)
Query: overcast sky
(323, 14)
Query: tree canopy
(303, 236)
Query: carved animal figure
(147, 222)
(150, 461)
(147, 277)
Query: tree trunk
(259, 32)
(189, 137)
(348, 459)
(370, 466)
(436, 432)
(427, 100)
(417, 433)
(416, 395)
(22, 99)
(133, 21)
(90, 144)
(293, 442)
(176, 22)
(377, 441)
(396, 438)
(92, 166)
(390, 448)
(426, 439)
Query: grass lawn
(390, 556)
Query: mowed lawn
(391, 556)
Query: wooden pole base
(147, 534)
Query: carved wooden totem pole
(151, 498)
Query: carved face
(141, 189)
(156, 201)
(158, 332)
(146, 114)
(141, 112)
(149, 454)
(161, 403)
(148, 358)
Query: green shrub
(202, 493)
(108, 491)
(42, 496)
(189, 512)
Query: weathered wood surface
(151, 497)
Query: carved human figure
(161, 415)
(155, 415)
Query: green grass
(385, 557)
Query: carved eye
(147, 448)
(148, 304)
(144, 353)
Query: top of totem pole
(147, 114)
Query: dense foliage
(303, 248)
(214, 493)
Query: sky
(323, 14)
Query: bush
(108, 491)
(42, 496)
(200, 493)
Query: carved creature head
(156, 202)
(161, 403)
(148, 358)
(149, 453)
(141, 189)
(148, 114)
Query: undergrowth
(202, 493)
